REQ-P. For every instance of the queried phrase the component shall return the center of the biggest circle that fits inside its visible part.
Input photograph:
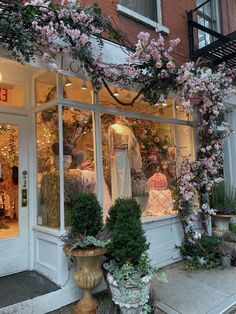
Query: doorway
(14, 226)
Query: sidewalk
(196, 292)
(187, 292)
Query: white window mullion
(61, 168)
(98, 151)
(61, 153)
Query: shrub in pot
(223, 199)
(129, 270)
(201, 253)
(229, 238)
(86, 242)
(225, 251)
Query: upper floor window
(207, 16)
(146, 8)
(147, 12)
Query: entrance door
(13, 194)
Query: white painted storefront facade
(39, 247)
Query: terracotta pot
(88, 276)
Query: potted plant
(85, 242)
(129, 270)
(225, 253)
(223, 199)
(229, 238)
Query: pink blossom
(144, 38)
(83, 40)
(159, 64)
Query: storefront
(57, 137)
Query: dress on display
(124, 155)
(160, 201)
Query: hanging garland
(49, 28)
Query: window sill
(149, 219)
(138, 17)
(47, 230)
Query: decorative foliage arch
(49, 28)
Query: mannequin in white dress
(124, 155)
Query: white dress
(124, 155)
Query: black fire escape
(220, 49)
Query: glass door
(13, 195)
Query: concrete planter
(88, 276)
(221, 222)
(225, 261)
(139, 296)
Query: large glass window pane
(186, 141)
(165, 108)
(9, 200)
(181, 113)
(77, 89)
(139, 160)
(79, 155)
(45, 88)
(48, 176)
(146, 8)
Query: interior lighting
(164, 104)
(68, 83)
(84, 85)
(116, 92)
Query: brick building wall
(228, 16)
(173, 17)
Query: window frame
(214, 20)
(96, 109)
(143, 19)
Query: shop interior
(8, 181)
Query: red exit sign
(4, 94)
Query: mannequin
(125, 155)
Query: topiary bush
(128, 242)
(86, 215)
(122, 205)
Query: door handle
(24, 190)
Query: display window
(112, 150)
(48, 178)
(77, 89)
(45, 88)
(78, 155)
(169, 108)
(139, 160)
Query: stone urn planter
(221, 222)
(225, 261)
(88, 276)
(132, 300)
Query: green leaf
(53, 6)
(29, 11)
